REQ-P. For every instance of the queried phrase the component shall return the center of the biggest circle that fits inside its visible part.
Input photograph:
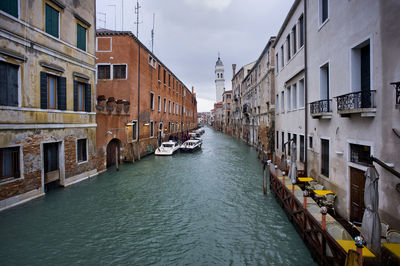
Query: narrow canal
(205, 208)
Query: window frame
(134, 129)
(19, 166)
(322, 164)
(118, 65)
(321, 20)
(55, 91)
(159, 103)
(59, 10)
(83, 26)
(110, 73)
(78, 151)
(151, 129)
(18, 83)
(79, 84)
(151, 100)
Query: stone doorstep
(78, 178)
(19, 199)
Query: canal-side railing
(322, 245)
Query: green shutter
(81, 37)
(52, 21)
(62, 93)
(75, 95)
(43, 90)
(10, 6)
(88, 98)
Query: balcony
(321, 109)
(360, 102)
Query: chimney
(234, 69)
(192, 90)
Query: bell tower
(219, 79)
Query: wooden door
(112, 149)
(357, 184)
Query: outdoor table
(393, 248)
(323, 192)
(290, 187)
(350, 244)
(305, 179)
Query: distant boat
(167, 148)
(191, 145)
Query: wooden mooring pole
(116, 158)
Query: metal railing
(246, 108)
(356, 100)
(322, 106)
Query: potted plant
(101, 102)
(110, 104)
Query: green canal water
(205, 208)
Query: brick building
(132, 122)
(227, 112)
(47, 70)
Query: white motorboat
(191, 145)
(167, 148)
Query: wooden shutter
(10, 6)
(81, 37)
(43, 90)
(62, 93)
(75, 95)
(88, 98)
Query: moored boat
(191, 145)
(167, 148)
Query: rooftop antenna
(137, 7)
(152, 34)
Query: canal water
(205, 208)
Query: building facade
(133, 122)
(353, 113)
(227, 112)
(48, 123)
(290, 86)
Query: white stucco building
(352, 57)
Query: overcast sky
(190, 33)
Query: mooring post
(266, 175)
(276, 171)
(305, 195)
(324, 211)
(116, 158)
(283, 177)
(360, 242)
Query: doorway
(51, 162)
(160, 134)
(357, 184)
(113, 152)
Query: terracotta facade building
(133, 122)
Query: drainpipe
(305, 91)
(138, 119)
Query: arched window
(217, 75)
(221, 75)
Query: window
(134, 130)
(50, 155)
(277, 63)
(289, 98)
(294, 96)
(277, 104)
(228, 96)
(173, 107)
(169, 81)
(9, 164)
(277, 140)
(159, 103)
(165, 73)
(310, 142)
(169, 127)
(151, 101)
(288, 144)
(325, 157)
(360, 71)
(169, 106)
(301, 93)
(119, 71)
(283, 141)
(8, 84)
(282, 101)
(52, 21)
(294, 33)
(165, 105)
(360, 154)
(301, 31)
(323, 11)
(324, 82)
(52, 92)
(228, 106)
(82, 97)
(282, 57)
(10, 7)
(159, 74)
(80, 37)
(82, 154)
(302, 150)
(152, 129)
(152, 62)
(288, 46)
(103, 72)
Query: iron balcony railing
(322, 106)
(246, 108)
(356, 100)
